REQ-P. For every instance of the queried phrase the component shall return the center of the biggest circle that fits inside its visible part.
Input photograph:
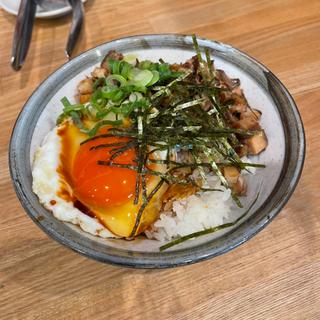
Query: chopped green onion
(130, 58)
(77, 120)
(145, 65)
(114, 80)
(141, 78)
(114, 66)
(109, 92)
(92, 132)
(118, 96)
(66, 103)
(154, 79)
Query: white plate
(12, 6)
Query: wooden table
(276, 275)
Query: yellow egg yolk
(104, 192)
(101, 185)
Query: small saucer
(12, 6)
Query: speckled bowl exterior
(284, 156)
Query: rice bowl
(272, 106)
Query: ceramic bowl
(284, 156)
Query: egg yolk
(100, 185)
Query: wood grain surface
(276, 275)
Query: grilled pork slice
(113, 55)
(85, 86)
(99, 72)
(257, 143)
(235, 181)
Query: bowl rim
(183, 256)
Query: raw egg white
(70, 183)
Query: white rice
(194, 213)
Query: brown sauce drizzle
(64, 170)
(65, 192)
(83, 208)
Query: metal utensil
(22, 33)
(24, 26)
(77, 21)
